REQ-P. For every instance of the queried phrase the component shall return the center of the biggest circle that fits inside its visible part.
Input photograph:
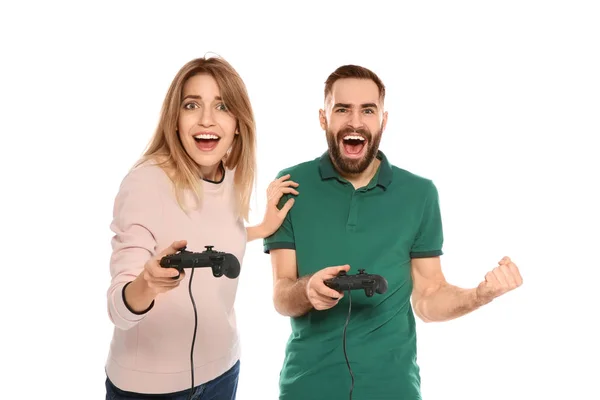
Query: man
(357, 211)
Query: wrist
(480, 300)
(138, 296)
(262, 231)
(304, 282)
(256, 232)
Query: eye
(190, 106)
(369, 111)
(341, 110)
(222, 107)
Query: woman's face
(206, 128)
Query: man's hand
(502, 279)
(320, 296)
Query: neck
(213, 173)
(363, 178)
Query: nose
(206, 117)
(355, 119)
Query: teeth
(351, 137)
(206, 136)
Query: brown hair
(167, 150)
(354, 71)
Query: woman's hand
(274, 216)
(153, 280)
(159, 279)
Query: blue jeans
(223, 387)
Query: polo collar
(383, 174)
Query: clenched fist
(504, 278)
(320, 296)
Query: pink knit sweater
(150, 353)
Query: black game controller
(369, 282)
(221, 263)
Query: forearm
(255, 232)
(290, 297)
(128, 303)
(138, 296)
(445, 303)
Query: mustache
(363, 132)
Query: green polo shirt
(379, 228)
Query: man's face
(353, 120)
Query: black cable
(195, 329)
(344, 341)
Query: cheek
(227, 125)
(184, 124)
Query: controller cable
(195, 330)
(344, 341)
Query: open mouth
(206, 141)
(354, 145)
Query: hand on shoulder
(273, 215)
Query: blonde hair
(166, 148)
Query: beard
(347, 165)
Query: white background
(497, 102)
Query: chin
(208, 160)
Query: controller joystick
(370, 283)
(221, 263)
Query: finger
(166, 283)
(282, 178)
(158, 272)
(286, 207)
(331, 272)
(289, 183)
(274, 197)
(324, 304)
(326, 293)
(515, 272)
(288, 190)
(154, 281)
(173, 248)
(491, 279)
(505, 260)
(169, 280)
(508, 276)
(178, 277)
(500, 277)
(163, 286)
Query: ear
(385, 117)
(323, 120)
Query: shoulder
(413, 182)
(303, 169)
(145, 178)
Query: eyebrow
(196, 97)
(346, 105)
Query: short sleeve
(430, 237)
(283, 238)
(137, 210)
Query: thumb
(286, 207)
(173, 248)
(334, 271)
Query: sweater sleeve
(136, 210)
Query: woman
(192, 188)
